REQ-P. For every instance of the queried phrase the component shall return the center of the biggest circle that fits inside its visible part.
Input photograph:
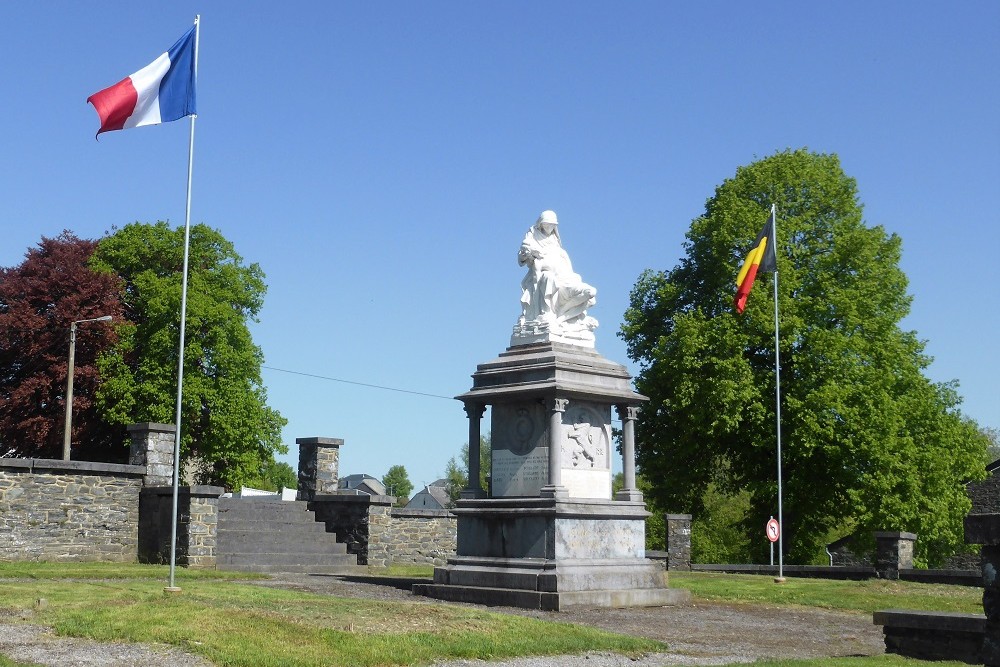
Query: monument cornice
(546, 370)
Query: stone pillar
(628, 414)
(984, 529)
(319, 463)
(475, 411)
(678, 528)
(197, 525)
(555, 489)
(153, 447)
(893, 552)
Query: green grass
(7, 662)
(414, 571)
(233, 624)
(857, 596)
(48, 570)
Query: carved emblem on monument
(586, 440)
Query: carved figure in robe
(552, 294)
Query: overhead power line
(360, 384)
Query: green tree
(868, 441)
(457, 473)
(274, 476)
(226, 421)
(397, 483)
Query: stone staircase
(270, 535)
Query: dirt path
(698, 634)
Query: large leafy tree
(39, 299)
(226, 422)
(397, 483)
(869, 443)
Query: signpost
(773, 532)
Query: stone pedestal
(551, 535)
(319, 466)
(678, 542)
(153, 447)
(550, 554)
(893, 552)
(985, 529)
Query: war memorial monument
(548, 534)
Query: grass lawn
(857, 596)
(232, 623)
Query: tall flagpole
(180, 353)
(777, 399)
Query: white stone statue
(554, 299)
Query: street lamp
(69, 381)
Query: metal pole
(777, 400)
(68, 427)
(171, 588)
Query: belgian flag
(760, 258)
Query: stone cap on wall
(359, 498)
(197, 491)
(403, 513)
(58, 465)
(156, 427)
(326, 442)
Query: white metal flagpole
(171, 588)
(777, 397)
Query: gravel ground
(698, 634)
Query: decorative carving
(554, 299)
(586, 442)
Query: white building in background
(434, 496)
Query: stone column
(628, 414)
(475, 411)
(555, 489)
(319, 463)
(153, 447)
(678, 529)
(893, 552)
(984, 529)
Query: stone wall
(53, 510)
(381, 536)
(418, 537)
(319, 466)
(197, 525)
(678, 541)
(985, 495)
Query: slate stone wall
(418, 537)
(54, 510)
(985, 495)
(197, 525)
(319, 466)
(678, 527)
(381, 536)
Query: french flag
(160, 92)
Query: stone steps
(269, 535)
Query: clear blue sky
(381, 161)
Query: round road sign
(773, 530)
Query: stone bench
(929, 635)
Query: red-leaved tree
(39, 300)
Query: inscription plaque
(515, 475)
